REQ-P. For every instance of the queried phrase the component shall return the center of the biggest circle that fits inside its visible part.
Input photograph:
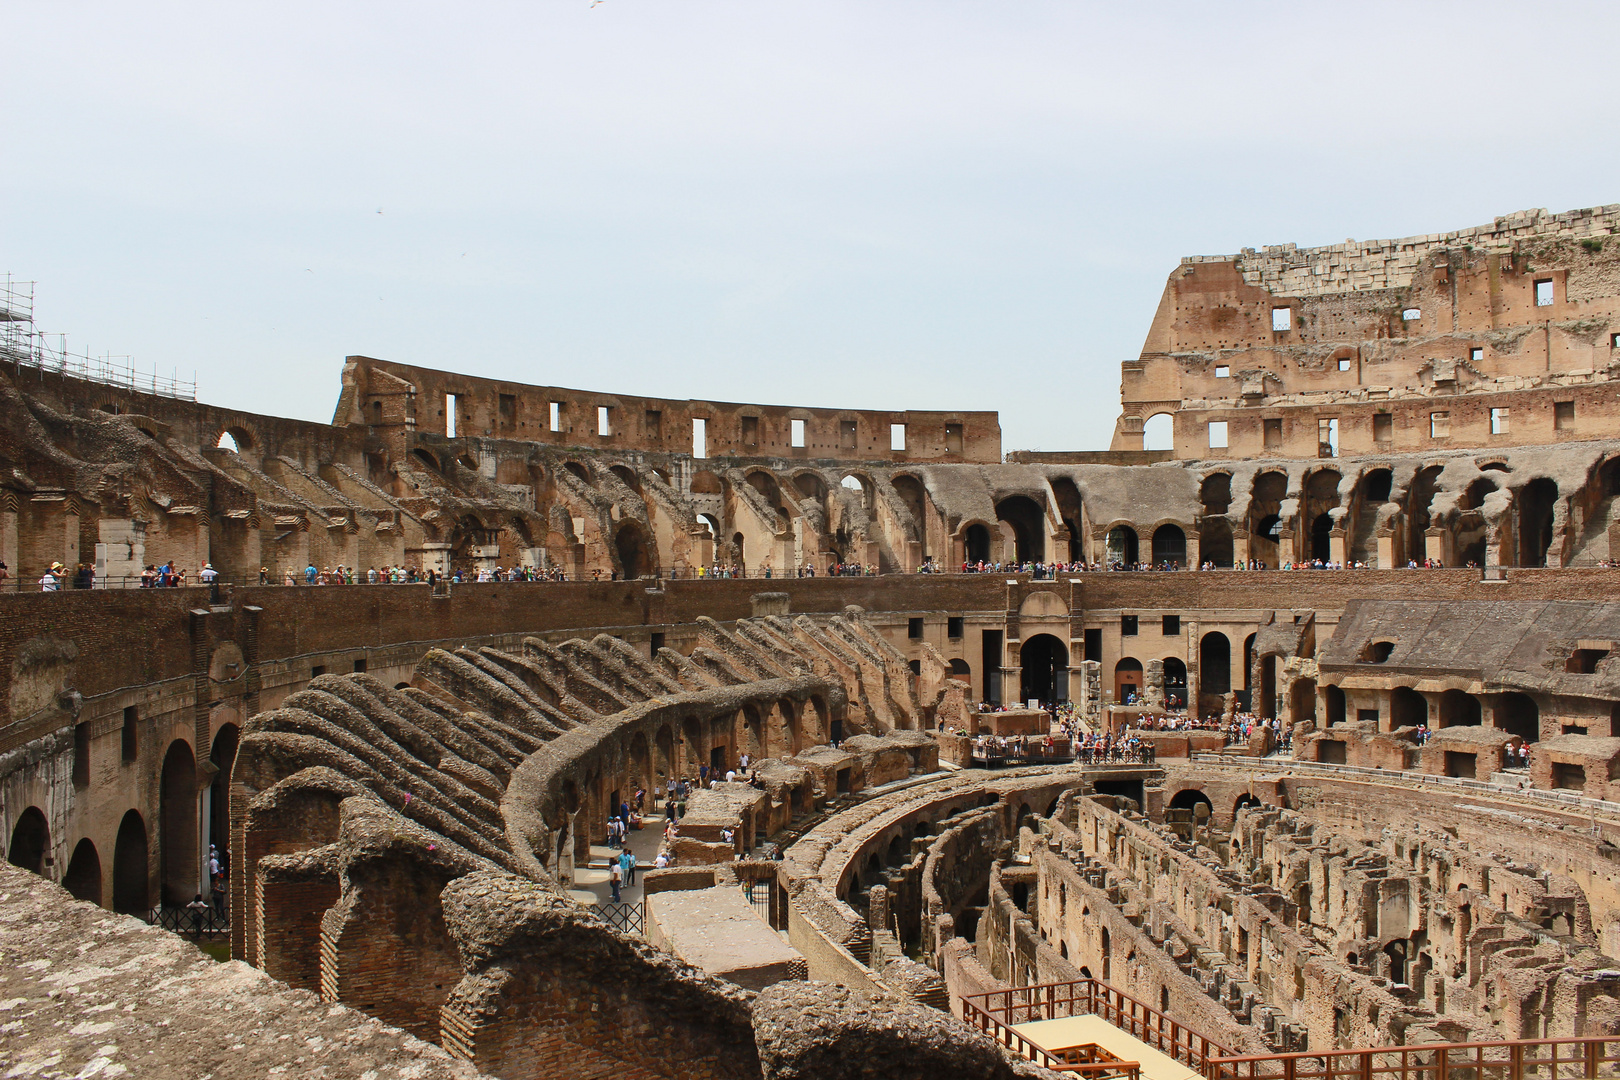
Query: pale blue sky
(878, 205)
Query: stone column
(8, 532)
(1336, 551)
(1240, 547)
(1386, 551)
(1434, 544)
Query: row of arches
(1513, 712)
(181, 874)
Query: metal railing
(189, 922)
(1579, 1058)
(625, 918)
(998, 1012)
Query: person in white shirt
(208, 575)
(50, 582)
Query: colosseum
(1288, 752)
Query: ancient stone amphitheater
(1377, 559)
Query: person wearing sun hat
(51, 581)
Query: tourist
(208, 574)
(627, 864)
(49, 582)
(199, 911)
(615, 875)
(310, 574)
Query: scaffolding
(24, 344)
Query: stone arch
(131, 869)
(1043, 668)
(976, 543)
(1175, 681)
(1458, 709)
(1169, 545)
(1425, 484)
(1214, 663)
(1517, 714)
(580, 472)
(914, 494)
(1333, 705)
(811, 485)
(632, 550)
(83, 877)
(423, 457)
(1407, 708)
(30, 841)
(1121, 545)
(177, 827)
(1244, 802)
(237, 438)
(705, 482)
(1189, 799)
(961, 670)
(1159, 432)
(1027, 521)
(626, 476)
(1127, 678)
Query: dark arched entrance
(1321, 533)
(1169, 546)
(30, 841)
(1517, 714)
(1044, 665)
(1191, 799)
(1214, 663)
(1458, 709)
(83, 877)
(177, 824)
(1027, 520)
(1122, 546)
(1175, 682)
(129, 867)
(632, 551)
(978, 544)
(1536, 504)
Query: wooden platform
(1056, 1036)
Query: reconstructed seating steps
(403, 851)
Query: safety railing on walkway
(1588, 1058)
(998, 1013)
(191, 922)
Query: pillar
(1434, 544)
(8, 533)
(1336, 552)
(1386, 551)
(1240, 547)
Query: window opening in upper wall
(1440, 425)
(953, 626)
(1411, 314)
(1477, 355)
(1272, 430)
(796, 436)
(1172, 625)
(1282, 318)
(1563, 415)
(897, 436)
(604, 423)
(508, 412)
(556, 416)
(914, 629)
(953, 438)
(1344, 365)
(655, 425)
(1544, 292)
(227, 441)
(1383, 427)
(1217, 434)
(1499, 421)
(846, 434)
(452, 404)
(1222, 371)
(1159, 432)
(700, 437)
(1127, 625)
(1327, 437)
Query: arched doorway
(130, 879)
(1536, 504)
(177, 825)
(1175, 682)
(1122, 546)
(1044, 669)
(978, 544)
(632, 551)
(1407, 708)
(83, 877)
(1159, 432)
(1127, 679)
(1169, 546)
(1214, 663)
(1027, 521)
(1191, 799)
(1517, 714)
(30, 841)
(1458, 709)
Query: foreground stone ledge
(84, 992)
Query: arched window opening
(977, 543)
(1407, 708)
(1027, 521)
(1214, 663)
(1517, 713)
(177, 806)
(1458, 709)
(1128, 679)
(1159, 432)
(1122, 546)
(1537, 503)
(1044, 665)
(130, 896)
